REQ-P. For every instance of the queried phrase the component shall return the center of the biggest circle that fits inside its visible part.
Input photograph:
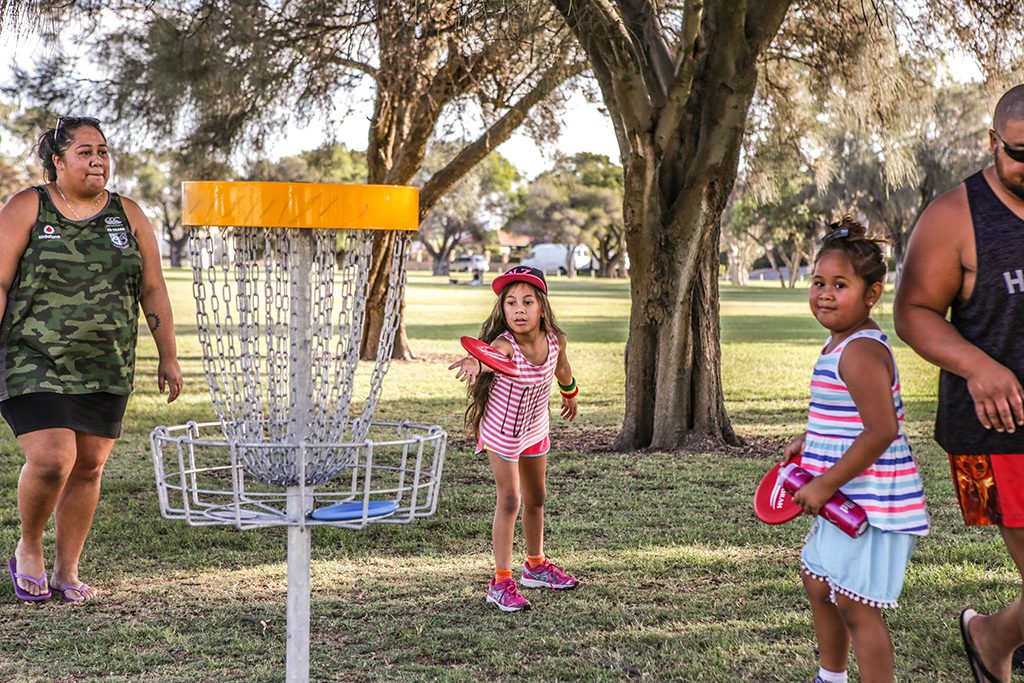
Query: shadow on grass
(680, 583)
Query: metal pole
(300, 497)
(297, 649)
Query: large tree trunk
(679, 115)
(376, 297)
(178, 246)
(674, 392)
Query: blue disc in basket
(344, 512)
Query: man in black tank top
(966, 258)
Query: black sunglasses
(1015, 153)
(73, 122)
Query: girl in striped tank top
(855, 443)
(508, 416)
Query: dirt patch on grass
(436, 358)
(602, 439)
(588, 440)
(752, 447)
(584, 439)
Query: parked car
(553, 258)
(469, 264)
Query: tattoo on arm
(154, 321)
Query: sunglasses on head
(1015, 153)
(73, 122)
(836, 234)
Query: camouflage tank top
(72, 316)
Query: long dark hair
(59, 138)
(489, 331)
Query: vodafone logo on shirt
(49, 233)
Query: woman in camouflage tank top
(76, 262)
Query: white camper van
(553, 258)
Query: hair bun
(852, 229)
(849, 236)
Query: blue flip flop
(12, 567)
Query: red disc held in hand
(490, 356)
(772, 503)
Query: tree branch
(650, 47)
(764, 17)
(357, 65)
(690, 50)
(497, 133)
(609, 48)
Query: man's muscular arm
(939, 256)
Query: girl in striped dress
(855, 443)
(509, 418)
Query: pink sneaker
(506, 596)
(547, 575)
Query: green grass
(680, 583)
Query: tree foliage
(946, 143)
(225, 77)
(481, 199)
(19, 138)
(787, 227)
(578, 201)
(12, 179)
(154, 181)
(328, 163)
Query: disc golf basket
(280, 279)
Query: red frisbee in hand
(772, 503)
(490, 356)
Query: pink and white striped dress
(516, 415)
(890, 490)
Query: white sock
(831, 676)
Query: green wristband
(570, 387)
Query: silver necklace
(68, 204)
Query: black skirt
(99, 413)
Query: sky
(585, 129)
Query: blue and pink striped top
(890, 491)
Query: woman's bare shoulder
(21, 210)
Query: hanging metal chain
(281, 372)
(389, 327)
(354, 279)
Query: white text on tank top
(516, 415)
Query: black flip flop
(981, 674)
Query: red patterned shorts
(989, 488)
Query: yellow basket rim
(266, 204)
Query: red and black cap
(526, 274)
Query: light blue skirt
(869, 569)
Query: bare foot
(976, 628)
(32, 564)
(71, 588)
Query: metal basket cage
(202, 478)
